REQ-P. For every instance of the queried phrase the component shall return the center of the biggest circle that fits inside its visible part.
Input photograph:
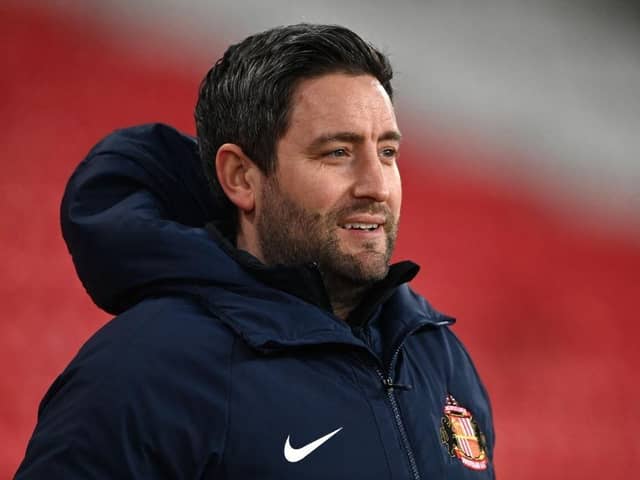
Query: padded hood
(133, 218)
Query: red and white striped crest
(461, 436)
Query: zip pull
(389, 385)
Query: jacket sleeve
(464, 377)
(146, 397)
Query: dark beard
(290, 235)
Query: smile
(361, 226)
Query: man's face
(335, 195)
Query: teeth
(361, 226)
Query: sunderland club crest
(461, 436)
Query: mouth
(367, 223)
(363, 223)
(367, 227)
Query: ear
(239, 177)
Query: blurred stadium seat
(546, 298)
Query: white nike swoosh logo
(294, 455)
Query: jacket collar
(305, 281)
(281, 307)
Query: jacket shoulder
(162, 326)
(146, 396)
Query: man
(276, 342)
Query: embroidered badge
(461, 436)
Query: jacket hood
(132, 217)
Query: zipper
(390, 386)
(387, 382)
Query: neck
(247, 240)
(344, 294)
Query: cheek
(395, 192)
(317, 191)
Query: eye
(337, 153)
(389, 153)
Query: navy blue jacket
(217, 367)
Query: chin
(366, 271)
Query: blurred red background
(545, 302)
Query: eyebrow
(351, 137)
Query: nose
(370, 177)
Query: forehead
(341, 102)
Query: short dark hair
(245, 98)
